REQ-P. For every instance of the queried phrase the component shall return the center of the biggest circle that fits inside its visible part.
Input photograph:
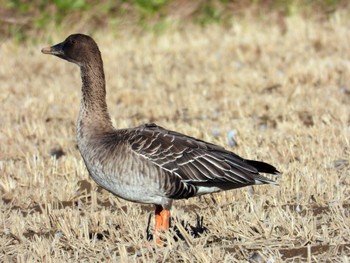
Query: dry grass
(285, 89)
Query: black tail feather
(263, 167)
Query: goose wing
(195, 161)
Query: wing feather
(194, 161)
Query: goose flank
(147, 164)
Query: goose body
(147, 164)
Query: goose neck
(93, 109)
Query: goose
(147, 164)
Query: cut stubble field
(284, 88)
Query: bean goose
(147, 164)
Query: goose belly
(131, 180)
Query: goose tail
(263, 167)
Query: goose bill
(54, 50)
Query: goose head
(77, 48)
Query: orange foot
(162, 222)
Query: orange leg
(162, 222)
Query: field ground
(284, 87)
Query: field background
(277, 74)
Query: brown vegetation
(283, 86)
